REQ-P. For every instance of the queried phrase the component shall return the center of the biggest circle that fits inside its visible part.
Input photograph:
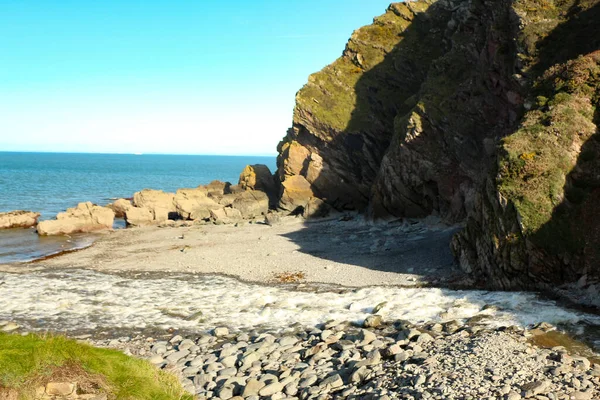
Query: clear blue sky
(193, 77)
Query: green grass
(30, 361)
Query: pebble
(401, 361)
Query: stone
(159, 202)
(392, 350)
(587, 395)
(513, 396)
(535, 388)
(271, 389)
(359, 375)
(176, 356)
(366, 337)
(60, 388)
(156, 359)
(373, 321)
(251, 203)
(10, 326)
(333, 381)
(287, 340)
(221, 331)
(316, 208)
(228, 361)
(86, 217)
(226, 215)
(18, 219)
(217, 188)
(120, 207)
(272, 218)
(582, 363)
(258, 177)
(195, 204)
(139, 216)
(295, 193)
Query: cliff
(482, 112)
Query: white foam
(86, 300)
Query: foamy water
(76, 300)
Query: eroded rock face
(86, 217)
(395, 126)
(18, 219)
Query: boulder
(296, 192)
(194, 204)
(316, 208)
(258, 177)
(225, 215)
(140, 216)
(119, 207)
(18, 219)
(159, 202)
(251, 203)
(86, 217)
(293, 158)
(227, 199)
(217, 188)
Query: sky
(170, 77)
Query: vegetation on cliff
(29, 362)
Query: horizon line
(141, 154)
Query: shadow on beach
(411, 248)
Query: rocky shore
(399, 360)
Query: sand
(352, 253)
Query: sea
(49, 183)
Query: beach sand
(350, 253)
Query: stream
(76, 301)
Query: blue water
(52, 182)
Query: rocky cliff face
(477, 111)
(536, 221)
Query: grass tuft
(28, 362)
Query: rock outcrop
(259, 177)
(251, 203)
(86, 217)
(194, 204)
(219, 202)
(119, 207)
(18, 219)
(478, 112)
